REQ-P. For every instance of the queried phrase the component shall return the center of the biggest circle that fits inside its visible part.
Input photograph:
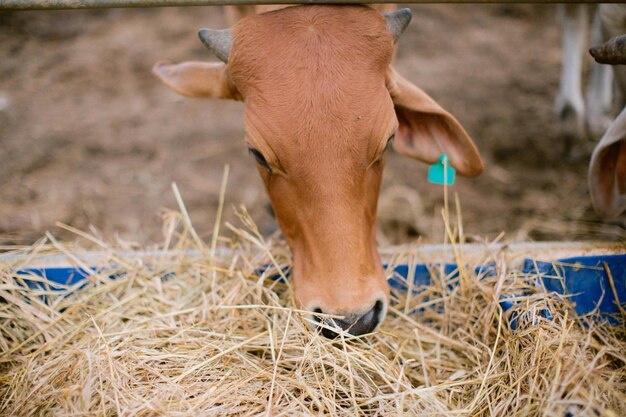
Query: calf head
(322, 104)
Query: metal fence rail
(100, 4)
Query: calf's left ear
(427, 130)
(198, 79)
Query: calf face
(322, 104)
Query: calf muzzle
(353, 324)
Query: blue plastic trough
(584, 279)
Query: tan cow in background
(322, 104)
(606, 94)
(607, 169)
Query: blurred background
(89, 137)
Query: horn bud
(611, 52)
(219, 41)
(398, 21)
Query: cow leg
(236, 13)
(599, 95)
(613, 23)
(570, 105)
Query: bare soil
(89, 137)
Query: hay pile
(176, 334)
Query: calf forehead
(313, 73)
(301, 41)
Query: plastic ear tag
(441, 172)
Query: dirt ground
(89, 137)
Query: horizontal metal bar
(101, 4)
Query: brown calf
(322, 104)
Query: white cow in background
(607, 169)
(612, 18)
(605, 97)
(580, 117)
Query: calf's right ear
(198, 79)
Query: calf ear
(427, 130)
(197, 79)
(607, 170)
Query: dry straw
(196, 330)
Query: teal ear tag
(441, 172)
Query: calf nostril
(355, 325)
(315, 316)
(371, 317)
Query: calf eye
(389, 142)
(260, 159)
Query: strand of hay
(182, 335)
